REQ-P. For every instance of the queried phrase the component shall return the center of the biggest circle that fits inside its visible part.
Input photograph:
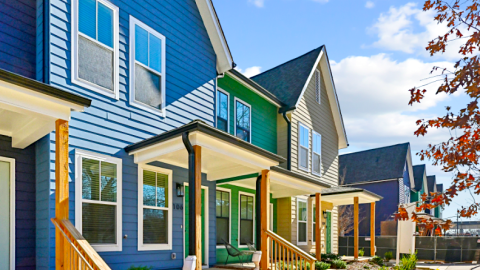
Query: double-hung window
(147, 67)
(318, 93)
(223, 216)
(314, 223)
(303, 146)
(302, 221)
(316, 153)
(242, 120)
(98, 200)
(154, 208)
(222, 110)
(246, 219)
(95, 46)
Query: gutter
(191, 194)
(258, 211)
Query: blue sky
(377, 52)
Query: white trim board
(11, 161)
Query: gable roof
(377, 164)
(289, 81)
(431, 183)
(440, 188)
(216, 35)
(418, 174)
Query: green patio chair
(234, 252)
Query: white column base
(190, 263)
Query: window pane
(243, 134)
(105, 25)
(90, 179)
(304, 132)
(95, 63)
(250, 208)
(155, 53)
(99, 223)
(243, 206)
(303, 157)
(87, 17)
(155, 226)
(314, 232)
(109, 182)
(222, 124)
(302, 232)
(222, 230)
(243, 116)
(141, 45)
(222, 105)
(162, 190)
(246, 232)
(302, 211)
(218, 203)
(226, 204)
(148, 87)
(317, 143)
(314, 213)
(149, 196)
(316, 163)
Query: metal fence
(448, 249)
(384, 244)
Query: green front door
(329, 232)
(5, 215)
(186, 215)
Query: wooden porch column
(372, 229)
(61, 187)
(198, 205)
(318, 224)
(355, 228)
(264, 206)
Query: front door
(186, 218)
(329, 232)
(6, 230)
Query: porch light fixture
(180, 190)
(325, 214)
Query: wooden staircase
(283, 255)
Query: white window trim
(79, 154)
(228, 109)
(320, 154)
(307, 169)
(133, 102)
(298, 221)
(318, 86)
(75, 33)
(11, 161)
(235, 117)
(169, 173)
(239, 216)
(314, 240)
(229, 214)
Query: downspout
(258, 210)
(289, 140)
(191, 194)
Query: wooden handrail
(78, 253)
(285, 255)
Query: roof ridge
(372, 149)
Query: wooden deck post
(355, 228)
(61, 187)
(318, 224)
(372, 229)
(265, 205)
(198, 205)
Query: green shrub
(377, 260)
(140, 268)
(330, 257)
(339, 264)
(388, 256)
(366, 267)
(361, 252)
(321, 265)
(408, 262)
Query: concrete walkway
(448, 266)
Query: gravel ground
(363, 266)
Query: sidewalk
(448, 266)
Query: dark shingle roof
(287, 80)
(374, 164)
(440, 188)
(343, 190)
(418, 173)
(431, 182)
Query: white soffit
(347, 198)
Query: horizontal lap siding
(17, 36)
(109, 125)
(24, 202)
(264, 114)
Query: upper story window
(147, 68)
(98, 200)
(303, 146)
(316, 153)
(243, 120)
(318, 92)
(95, 46)
(302, 221)
(222, 110)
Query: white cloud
(409, 29)
(250, 72)
(369, 4)
(257, 3)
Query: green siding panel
(264, 114)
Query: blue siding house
(386, 171)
